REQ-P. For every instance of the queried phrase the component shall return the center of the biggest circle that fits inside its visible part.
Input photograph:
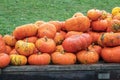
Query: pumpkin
(80, 23)
(31, 39)
(47, 29)
(8, 49)
(59, 48)
(94, 47)
(111, 54)
(115, 26)
(63, 58)
(24, 31)
(115, 11)
(87, 57)
(18, 60)
(45, 45)
(109, 39)
(24, 48)
(59, 37)
(100, 25)
(4, 60)
(39, 59)
(77, 14)
(2, 45)
(94, 14)
(76, 43)
(57, 24)
(9, 40)
(70, 33)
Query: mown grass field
(18, 12)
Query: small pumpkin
(4, 60)
(80, 23)
(100, 25)
(111, 54)
(109, 39)
(8, 49)
(47, 29)
(115, 11)
(63, 58)
(18, 60)
(87, 57)
(70, 33)
(31, 39)
(24, 48)
(76, 43)
(9, 40)
(24, 31)
(39, 59)
(45, 45)
(94, 14)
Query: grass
(18, 12)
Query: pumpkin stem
(62, 51)
(93, 44)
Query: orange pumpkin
(70, 33)
(9, 40)
(94, 14)
(39, 59)
(100, 25)
(24, 48)
(111, 54)
(76, 43)
(13, 51)
(109, 39)
(87, 57)
(8, 49)
(46, 29)
(63, 58)
(31, 39)
(80, 23)
(45, 45)
(4, 60)
(24, 31)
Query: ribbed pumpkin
(24, 31)
(18, 60)
(39, 59)
(111, 54)
(80, 23)
(109, 39)
(77, 42)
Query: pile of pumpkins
(81, 39)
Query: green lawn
(18, 12)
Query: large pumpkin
(80, 23)
(87, 57)
(39, 59)
(111, 54)
(18, 60)
(46, 29)
(24, 48)
(77, 42)
(24, 31)
(109, 39)
(45, 45)
(115, 26)
(4, 60)
(63, 58)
